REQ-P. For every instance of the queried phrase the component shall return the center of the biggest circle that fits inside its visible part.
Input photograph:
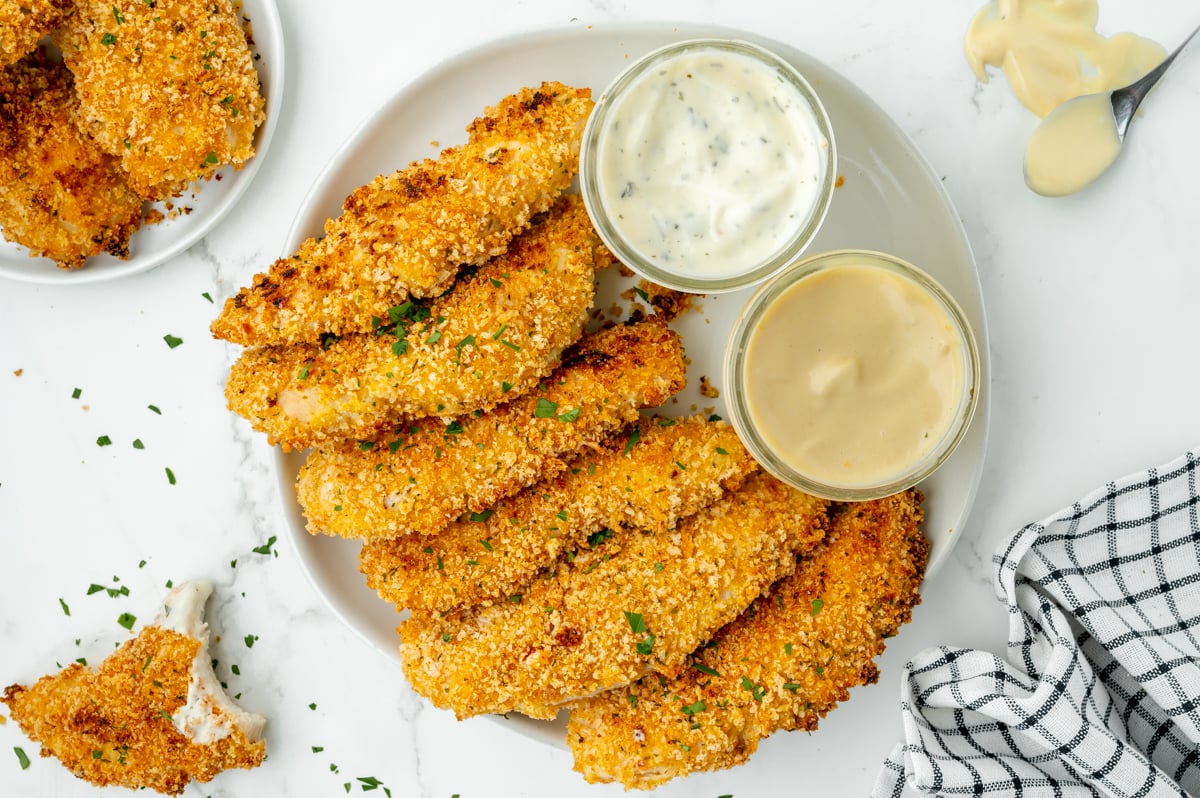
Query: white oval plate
(155, 244)
(891, 201)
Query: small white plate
(210, 200)
(891, 201)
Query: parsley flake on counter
(104, 440)
(22, 758)
(137, 443)
(170, 476)
(154, 409)
(66, 610)
(318, 749)
(207, 296)
(172, 341)
(313, 707)
(372, 783)
(127, 620)
(249, 640)
(266, 547)
(75, 394)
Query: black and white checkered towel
(1100, 693)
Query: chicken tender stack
(782, 665)
(661, 472)
(417, 479)
(637, 602)
(152, 715)
(24, 22)
(167, 87)
(495, 336)
(408, 233)
(60, 196)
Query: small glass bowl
(743, 275)
(749, 431)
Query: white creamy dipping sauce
(1073, 146)
(853, 375)
(711, 162)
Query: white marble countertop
(1091, 304)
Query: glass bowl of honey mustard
(708, 165)
(853, 375)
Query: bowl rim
(734, 374)
(626, 253)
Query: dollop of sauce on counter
(1073, 146)
(711, 163)
(1051, 52)
(853, 375)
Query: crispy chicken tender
(407, 234)
(493, 337)
(418, 479)
(152, 715)
(168, 87)
(648, 478)
(782, 665)
(24, 22)
(60, 196)
(639, 602)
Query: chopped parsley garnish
(22, 758)
(366, 446)
(137, 443)
(569, 415)
(636, 623)
(714, 417)
(817, 605)
(172, 341)
(118, 16)
(454, 428)
(596, 538)
(646, 645)
(207, 296)
(108, 40)
(303, 375)
(249, 640)
(496, 335)
(66, 610)
(495, 283)
(561, 515)
(467, 341)
(642, 293)
(666, 422)
(692, 709)
(721, 451)
(104, 440)
(486, 544)
(313, 707)
(211, 158)
(545, 409)
(755, 690)
(680, 466)
(127, 620)
(170, 476)
(75, 394)
(511, 345)
(480, 517)
(154, 409)
(433, 339)
(633, 440)
(266, 547)
(791, 687)
(505, 386)
(318, 749)
(632, 700)
(515, 598)
(700, 666)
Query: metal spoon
(1080, 139)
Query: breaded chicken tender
(168, 87)
(408, 233)
(60, 195)
(782, 665)
(493, 337)
(152, 715)
(24, 22)
(662, 471)
(417, 479)
(636, 603)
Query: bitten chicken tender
(407, 234)
(152, 715)
(418, 479)
(662, 471)
(24, 22)
(60, 196)
(168, 87)
(636, 603)
(782, 665)
(493, 337)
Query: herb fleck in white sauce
(712, 161)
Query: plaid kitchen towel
(1100, 693)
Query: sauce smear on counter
(711, 163)
(853, 375)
